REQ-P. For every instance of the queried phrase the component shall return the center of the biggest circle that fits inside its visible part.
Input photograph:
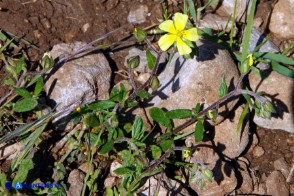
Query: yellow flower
(177, 34)
(186, 153)
(78, 109)
(250, 60)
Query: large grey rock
(226, 8)
(282, 23)
(83, 79)
(279, 90)
(184, 83)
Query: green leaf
(107, 147)
(192, 10)
(179, 113)
(22, 92)
(24, 168)
(156, 152)
(282, 69)
(101, 105)
(197, 109)
(199, 131)
(21, 63)
(242, 117)
(167, 144)
(246, 39)
(138, 129)
(223, 89)
(159, 116)
(274, 57)
(139, 34)
(143, 94)
(25, 105)
(39, 86)
(123, 171)
(151, 59)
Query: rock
(114, 165)
(257, 38)
(78, 81)
(138, 14)
(85, 27)
(109, 182)
(184, 83)
(281, 23)
(254, 143)
(247, 182)
(143, 67)
(226, 8)
(86, 168)
(143, 77)
(282, 166)
(282, 100)
(230, 143)
(76, 181)
(258, 151)
(276, 184)
(217, 23)
(9, 152)
(260, 189)
(166, 185)
(224, 179)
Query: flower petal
(191, 34)
(166, 41)
(180, 21)
(183, 48)
(168, 26)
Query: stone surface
(258, 151)
(184, 83)
(257, 38)
(229, 142)
(282, 166)
(143, 67)
(276, 184)
(109, 182)
(226, 8)
(76, 182)
(166, 185)
(247, 182)
(138, 14)
(282, 23)
(281, 97)
(83, 79)
(215, 22)
(224, 181)
(9, 152)
(114, 165)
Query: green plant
(103, 134)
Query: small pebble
(138, 14)
(85, 27)
(258, 151)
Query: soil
(45, 23)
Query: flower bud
(133, 62)
(47, 62)
(154, 83)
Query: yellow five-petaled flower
(177, 34)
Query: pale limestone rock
(82, 79)
(280, 88)
(282, 23)
(226, 8)
(138, 14)
(76, 182)
(184, 83)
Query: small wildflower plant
(176, 34)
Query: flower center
(180, 33)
